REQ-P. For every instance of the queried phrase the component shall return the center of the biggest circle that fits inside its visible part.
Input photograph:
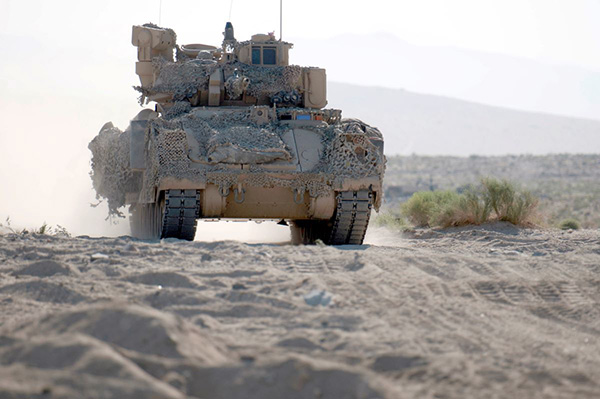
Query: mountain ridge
(440, 125)
(479, 76)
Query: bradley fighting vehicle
(237, 133)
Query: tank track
(182, 210)
(351, 217)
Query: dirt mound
(43, 291)
(46, 268)
(295, 378)
(135, 328)
(74, 365)
(163, 279)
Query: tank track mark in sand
(351, 217)
(182, 211)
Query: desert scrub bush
(424, 206)
(492, 200)
(570, 224)
(470, 207)
(510, 203)
(44, 229)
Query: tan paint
(308, 148)
(213, 203)
(269, 203)
(215, 88)
(315, 88)
(151, 42)
(322, 207)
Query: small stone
(98, 256)
(247, 359)
(130, 248)
(318, 297)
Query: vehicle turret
(199, 73)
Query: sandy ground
(487, 312)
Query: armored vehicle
(237, 133)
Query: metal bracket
(299, 196)
(224, 191)
(236, 194)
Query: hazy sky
(563, 31)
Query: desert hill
(384, 60)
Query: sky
(558, 31)
(67, 67)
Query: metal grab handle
(236, 193)
(299, 196)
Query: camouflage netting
(244, 136)
(352, 158)
(356, 126)
(268, 80)
(353, 154)
(234, 130)
(348, 153)
(184, 79)
(111, 174)
(177, 109)
(171, 31)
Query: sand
(480, 312)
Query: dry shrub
(510, 203)
(44, 229)
(423, 208)
(493, 200)
(467, 208)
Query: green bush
(493, 200)
(424, 206)
(570, 224)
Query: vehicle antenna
(280, 19)
(230, 8)
(159, 11)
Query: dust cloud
(45, 166)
